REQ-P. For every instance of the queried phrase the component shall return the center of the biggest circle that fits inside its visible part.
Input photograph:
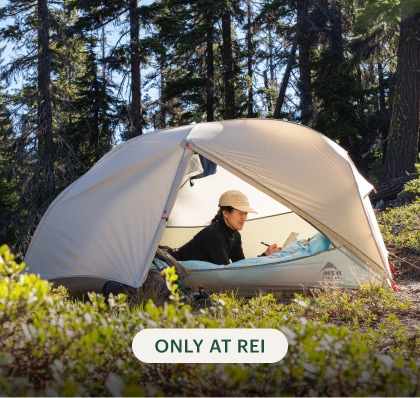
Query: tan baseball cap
(237, 200)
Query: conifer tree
(8, 176)
(43, 161)
(334, 86)
(31, 110)
(382, 27)
(124, 19)
(403, 148)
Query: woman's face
(235, 219)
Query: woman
(220, 242)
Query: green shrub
(413, 186)
(400, 226)
(52, 345)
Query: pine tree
(403, 147)
(8, 177)
(124, 19)
(30, 110)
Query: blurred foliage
(341, 343)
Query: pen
(265, 244)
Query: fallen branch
(389, 190)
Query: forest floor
(407, 279)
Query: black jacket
(216, 243)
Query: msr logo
(330, 271)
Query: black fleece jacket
(216, 243)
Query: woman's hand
(272, 249)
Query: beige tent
(107, 224)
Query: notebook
(291, 238)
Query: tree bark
(290, 62)
(250, 61)
(45, 127)
(228, 72)
(210, 70)
(136, 106)
(268, 73)
(402, 150)
(305, 43)
(389, 190)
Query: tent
(108, 224)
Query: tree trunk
(136, 106)
(402, 151)
(384, 113)
(228, 75)
(250, 61)
(45, 130)
(210, 71)
(290, 62)
(268, 72)
(305, 43)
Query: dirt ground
(407, 279)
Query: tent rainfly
(108, 224)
